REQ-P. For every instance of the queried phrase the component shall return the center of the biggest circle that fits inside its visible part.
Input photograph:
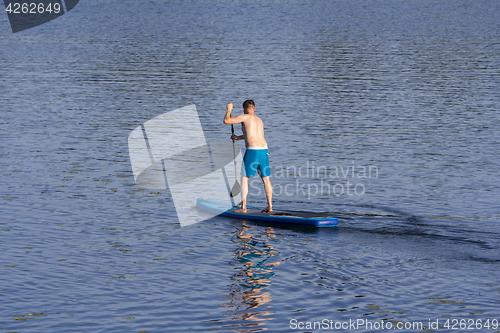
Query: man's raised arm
(230, 120)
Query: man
(256, 156)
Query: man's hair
(248, 103)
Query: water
(409, 89)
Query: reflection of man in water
(257, 270)
(255, 273)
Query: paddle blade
(236, 190)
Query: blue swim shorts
(256, 159)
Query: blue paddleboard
(279, 217)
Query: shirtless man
(256, 156)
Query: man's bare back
(253, 131)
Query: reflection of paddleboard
(282, 217)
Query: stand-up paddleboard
(282, 217)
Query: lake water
(408, 90)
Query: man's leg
(244, 193)
(269, 193)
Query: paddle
(236, 188)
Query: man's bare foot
(267, 210)
(241, 210)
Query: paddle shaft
(234, 153)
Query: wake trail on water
(449, 238)
(398, 229)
